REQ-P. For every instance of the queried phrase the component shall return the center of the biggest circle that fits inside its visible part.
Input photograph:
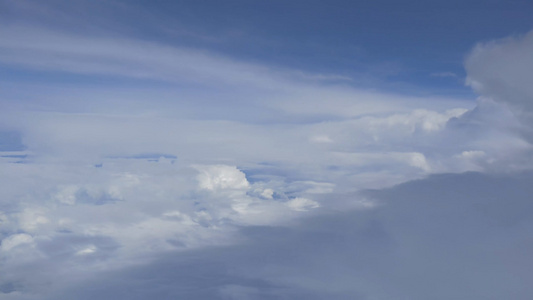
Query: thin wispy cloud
(444, 74)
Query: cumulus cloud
(72, 229)
(501, 69)
(221, 177)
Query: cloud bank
(448, 236)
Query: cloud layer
(448, 236)
(167, 171)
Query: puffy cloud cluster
(83, 219)
(221, 177)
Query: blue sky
(266, 149)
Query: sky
(367, 150)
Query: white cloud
(265, 145)
(302, 204)
(67, 194)
(374, 159)
(267, 193)
(33, 219)
(87, 251)
(447, 236)
(420, 119)
(15, 240)
(221, 177)
(320, 139)
(501, 70)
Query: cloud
(226, 175)
(221, 177)
(444, 74)
(204, 176)
(125, 212)
(15, 240)
(447, 236)
(500, 70)
(302, 204)
(203, 77)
